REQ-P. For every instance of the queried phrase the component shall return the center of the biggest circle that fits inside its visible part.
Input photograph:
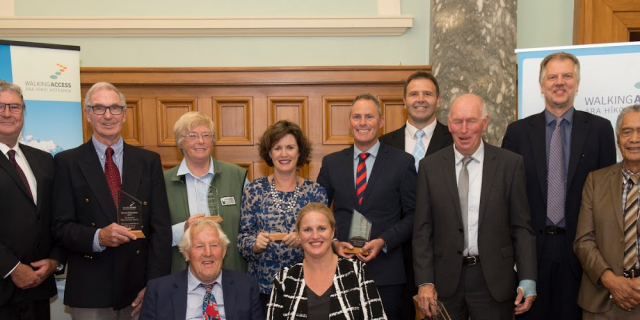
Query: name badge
(228, 201)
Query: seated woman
(323, 285)
(270, 205)
(203, 186)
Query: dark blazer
(83, 204)
(25, 229)
(166, 297)
(505, 236)
(388, 203)
(592, 148)
(441, 138)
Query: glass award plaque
(439, 312)
(130, 213)
(212, 203)
(359, 233)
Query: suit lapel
(616, 194)
(578, 139)
(437, 140)
(398, 138)
(348, 169)
(489, 168)
(229, 292)
(179, 296)
(92, 170)
(449, 164)
(32, 159)
(131, 171)
(376, 171)
(11, 171)
(538, 139)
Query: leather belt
(470, 260)
(631, 273)
(556, 230)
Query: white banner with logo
(49, 76)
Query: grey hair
(483, 104)
(367, 96)
(187, 122)
(197, 226)
(106, 86)
(559, 56)
(10, 87)
(625, 110)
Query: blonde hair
(187, 122)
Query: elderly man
(27, 263)
(560, 146)
(607, 236)
(379, 182)
(472, 224)
(204, 290)
(109, 265)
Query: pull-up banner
(609, 78)
(49, 76)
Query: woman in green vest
(201, 186)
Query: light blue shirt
(195, 297)
(118, 154)
(197, 196)
(373, 154)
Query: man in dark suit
(423, 134)
(108, 265)
(584, 143)
(233, 295)
(379, 182)
(472, 224)
(28, 254)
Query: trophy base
(138, 233)
(356, 250)
(217, 219)
(277, 236)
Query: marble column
(472, 51)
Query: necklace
(281, 205)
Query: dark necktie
(209, 304)
(631, 225)
(12, 158)
(555, 177)
(113, 175)
(361, 176)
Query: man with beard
(560, 146)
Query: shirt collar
(102, 148)
(193, 282)
(567, 116)
(428, 130)
(184, 169)
(5, 150)
(626, 174)
(373, 152)
(477, 156)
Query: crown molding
(95, 26)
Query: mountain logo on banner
(59, 71)
(47, 146)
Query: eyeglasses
(13, 107)
(192, 136)
(100, 109)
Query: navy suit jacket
(166, 297)
(592, 148)
(389, 203)
(25, 228)
(441, 138)
(83, 203)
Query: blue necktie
(419, 150)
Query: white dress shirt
(410, 136)
(475, 188)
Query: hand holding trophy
(359, 233)
(130, 213)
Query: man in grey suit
(472, 224)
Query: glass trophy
(212, 202)
(130, 213)
(439, 312)
(359, 233)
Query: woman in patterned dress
(270, 205)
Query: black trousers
(391, 300)
(26, 310)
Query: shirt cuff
(8, 274)
(96, 243)
(528, 287)
(177, 231)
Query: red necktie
(12, 158)
(113, 175)
(209, 304)
(361, 176)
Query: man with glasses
(109, 266)
(27, 263)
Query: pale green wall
(541, 23)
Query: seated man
(204, 290)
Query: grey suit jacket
(505, 236)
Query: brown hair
(278, 130)
(559, 56)
(421, 74)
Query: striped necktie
(555, 177)
(631, 225)
(361, 176)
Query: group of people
(545, 227)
